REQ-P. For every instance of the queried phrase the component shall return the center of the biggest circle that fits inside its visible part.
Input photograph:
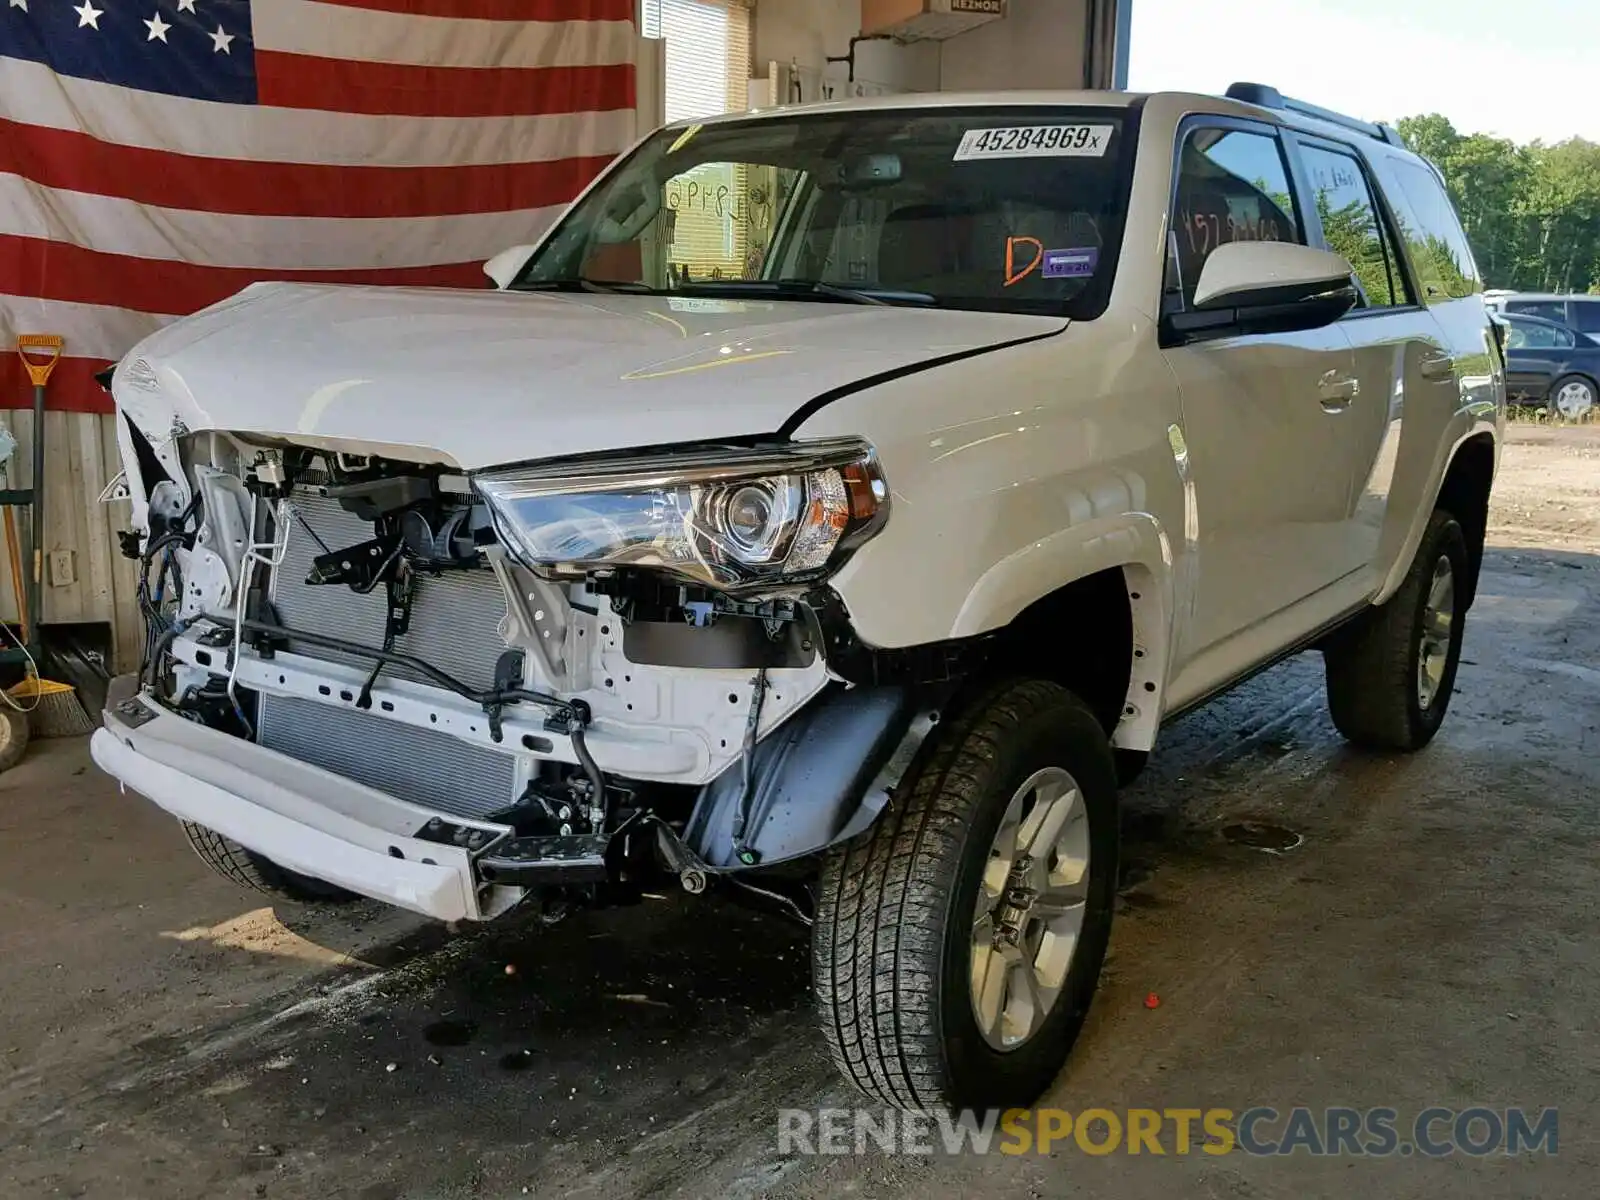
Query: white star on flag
(220, 41)
(22, 4)
(186, 5)
(158, 28)
(89, 15)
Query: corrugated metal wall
(95, 583)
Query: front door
(1266, 417)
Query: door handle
(1437, 366)
(1338, 390)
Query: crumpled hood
(479, 378)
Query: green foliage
(1532, 213)
(1353, 234)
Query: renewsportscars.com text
(1436, 1132)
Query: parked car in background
(1581, 314)
(1550, 364)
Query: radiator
(455, 620)
(423, 766)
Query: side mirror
(507, 265)
(1264, 287)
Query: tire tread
(881, 910)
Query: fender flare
(1419, 523)
(1134, 544)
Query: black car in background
(1550, 364)
(1578, 313)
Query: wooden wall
(80, 459)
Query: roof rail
(1270, 97)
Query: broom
(53, 708)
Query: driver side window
(1233, 186)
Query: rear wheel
(1391, 674)
(248, 869)
(1572, 397)
(958, 942)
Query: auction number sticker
(1035, 141)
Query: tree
(1532, 213)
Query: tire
(14, 736)
(248, 869)
(1572, 397)
(892, 949)
(1376, 686)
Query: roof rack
(1270, 97)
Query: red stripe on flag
(72, 386)
(75, 161)
(400, 89)
(502, 10)
(57, 271)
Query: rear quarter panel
(1432, 433)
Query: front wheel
(958, 942)
(1391, 673)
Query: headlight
(734, 518)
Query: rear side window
(1439, 250)
(1352, 226)
(1586, 315)
(1233, 186)
(1525, 335)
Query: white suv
(834, 504)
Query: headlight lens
(734, 518)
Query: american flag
(158, 155)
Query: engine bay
(362, 615)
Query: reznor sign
(988, 7)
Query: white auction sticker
(1035, 141)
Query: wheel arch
(1111, 579)
(1464, 493)
(1464, 468)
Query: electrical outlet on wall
(63, 572)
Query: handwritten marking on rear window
(1035, 141)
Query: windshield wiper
(809, 289)
(579, 284)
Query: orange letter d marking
(1012, 274)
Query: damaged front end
(456, 692)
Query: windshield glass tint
(1014, 209)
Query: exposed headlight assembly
(738, 519)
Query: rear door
(1263, 414)
(1401, 357)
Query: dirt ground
(1431, 942)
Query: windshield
(1013, 209)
